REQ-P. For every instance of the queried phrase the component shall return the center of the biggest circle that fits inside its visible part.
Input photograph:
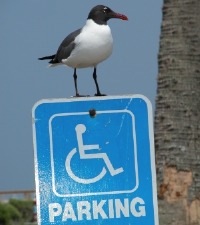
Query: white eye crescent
(105, 9)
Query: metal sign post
(94, 161)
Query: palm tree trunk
(177, 116)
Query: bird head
(101, 14)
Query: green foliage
(16, 211)
(25, 207)
(8, 214)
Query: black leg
(75, 82)
(96, 83)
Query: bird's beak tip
(120, 16)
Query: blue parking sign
(95, 169)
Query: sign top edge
(74, 99)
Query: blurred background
(32, 29)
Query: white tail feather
(52, 65)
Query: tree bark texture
(177, 116)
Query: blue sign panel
(95, 169)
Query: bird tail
(53, 64)
(47, 57)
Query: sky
(35, 28)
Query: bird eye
(105, 9)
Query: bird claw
(77, 96)
(99, 94)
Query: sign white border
(92, 193)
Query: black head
(101, 14)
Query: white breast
(93, 45)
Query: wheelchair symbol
(80, 129)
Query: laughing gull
(87, 46)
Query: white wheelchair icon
(80, 129)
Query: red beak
(119, 16)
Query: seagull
(87, 46)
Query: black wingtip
(47, 57)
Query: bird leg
(96, 83)
(75, 83)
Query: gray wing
(66, 47)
